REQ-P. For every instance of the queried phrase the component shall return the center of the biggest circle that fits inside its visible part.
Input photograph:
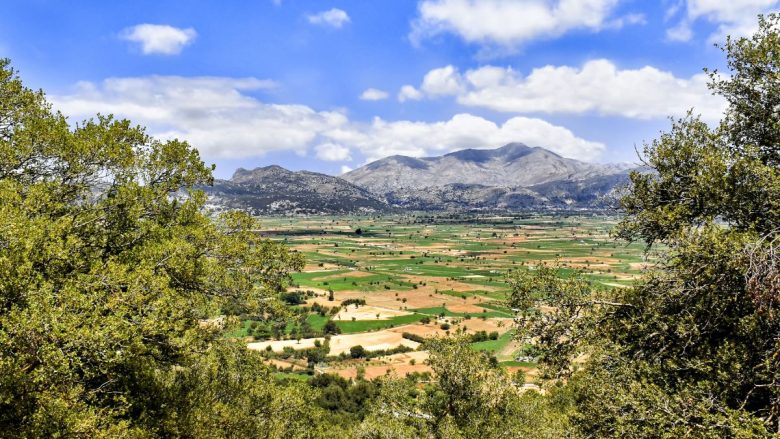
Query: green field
(494, 346)
(350, 327)
(449, 268)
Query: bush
(331, 328)
(357, 351)
(413, 337)
(293, 298)
(357, 302)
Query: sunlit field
(380, 279)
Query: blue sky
(328, 85)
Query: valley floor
(416, 276)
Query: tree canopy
(694, 348)
(109, 274)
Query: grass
(513, 363)
(316, 321)
(498, 308)
(442, 252)
(494, 346)
(438, 310)
(282, 376)
(354, 326)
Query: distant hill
(513, 165)
(275, 190)
(513, 177)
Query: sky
(330, 85)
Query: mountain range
(513, 177)
(275, 190)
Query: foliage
(469, 398)
(357, 351)
(109, 275)
(345, 401)
(692, 350)
(331, 328)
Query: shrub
(357, 351)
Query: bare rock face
(513, 177)
(513, 165)
(275, 190)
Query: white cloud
(373, 94)
(382, 138)
(332, 17)
(220, 118)
(409, 93)
(442, 82)
(510, 23)
(681, 32)
(733, 17)
(345, 169)
(627, 20)
(213, 113)
(159, 38)
(596, 87)
(332, 152)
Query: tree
(109, 277)
(357, 351)
(331, 328)
(691, 350)
(469, 398)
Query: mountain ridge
(276, 190)
(512, 165)
(512, 177)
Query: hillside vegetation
(118, 296)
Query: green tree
(331, 327)
(109, 275)
(468, 398)
(692, 349)
(357, 351)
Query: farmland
(384, 284)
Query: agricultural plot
(384, 284)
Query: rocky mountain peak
(242, 175)
(512, 165)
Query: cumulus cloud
(373, 94)
(222, 119)
(215, 114)
(441, 82)
(382, 138)
(345, 169)
(333, 18)
(409, 93)
(734, 17)
(159, 38)
(510, 23)
(332, 152)
(597, 87)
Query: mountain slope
(275, 190)
(513, 165)
(513, 177)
